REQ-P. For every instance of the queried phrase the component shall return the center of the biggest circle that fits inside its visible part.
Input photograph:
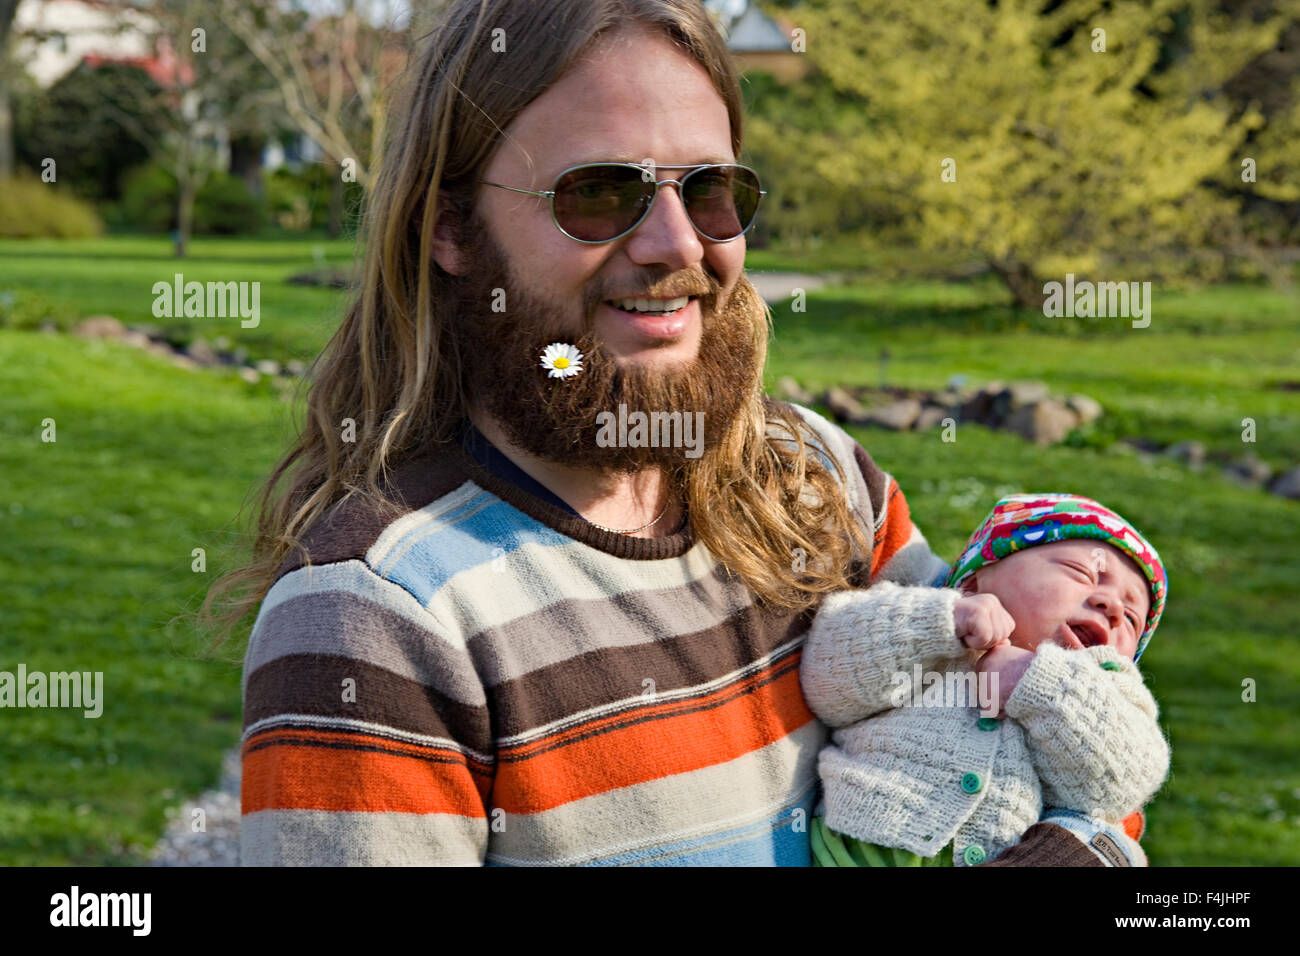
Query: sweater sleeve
(1092, 731)
(367, 739)
(862, 648)
(863, 640)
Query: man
(498, 633)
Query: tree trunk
(6, 125)
(1021, 281)
(334, 227)
(184, 214)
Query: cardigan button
(971, 782)
(1109, 665)
(987, 723)
(973, 854)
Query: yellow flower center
(561, 362)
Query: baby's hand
(1010, 664)
(981, 621)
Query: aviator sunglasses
(601, 202)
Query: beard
(556, 419)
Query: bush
(30, 209)
(223, 205)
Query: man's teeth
(652, 305)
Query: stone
(1249, 470)
(977, 407)
(202, 353)
(1287, 484)
(788, 389)
(1191, 453)
(295, 367)
(159, 348)
(99, 327)
(1014, 397)
(183, 361)
(844, 406)
(250, 375)
(268, 367)
(135, 338)
(1043, 423)
(931, 415)
(896, 416)
(1088, 409)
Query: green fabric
(830, 848)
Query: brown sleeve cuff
(1046, 844)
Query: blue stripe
(466, 538)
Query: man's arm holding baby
(1090, 724)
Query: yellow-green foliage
(32, 209)
(1065, 158)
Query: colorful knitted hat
(1022, 521)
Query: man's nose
(666, 235)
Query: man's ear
(446, 247)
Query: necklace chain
(630, 531)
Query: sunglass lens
(722, 200)
(596, 203)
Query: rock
(788, 389)
(1044, 423)
(222, 343)
(295, 367)
(977, 407)
(844, 406)
(202, 353)
(99, 327)
(1014, 397)
(268, 367)
(931, 415)
(1249, 470)
(159, 348)
(896, 416)
(1191, 453)
(184, 361)
(949, 399)
(1287, 484)
(135, 338)
(1088, 409)
(250, 375)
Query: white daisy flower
(562, 359)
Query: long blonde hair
(394, 369)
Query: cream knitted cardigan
(1078, 736)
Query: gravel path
(218, 844)
(773, 286)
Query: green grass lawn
(152, 461)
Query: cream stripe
(364, 726)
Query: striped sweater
(476, 677)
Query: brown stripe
(351, 527)
(877, 481)
(618, 673)
(312, 684)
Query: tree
(1049, 138)
(8, 8)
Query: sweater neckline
(572, 525)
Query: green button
(987, 723)
(1109, 666)
(971, 783)
(973, 855)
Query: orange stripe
(294, 773)
(895, 532)
(648, 750)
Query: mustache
(697, 284)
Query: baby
(1050, 605)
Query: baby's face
(1076, 593)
